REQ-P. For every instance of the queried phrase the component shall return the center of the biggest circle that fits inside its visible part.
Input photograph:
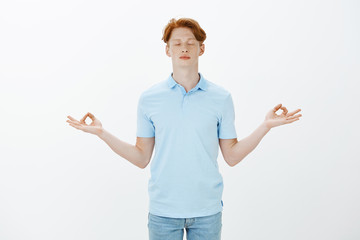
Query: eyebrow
(180, 39)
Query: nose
(184, 50)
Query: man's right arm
(139, 154)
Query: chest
(193, 111)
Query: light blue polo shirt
(185, 180)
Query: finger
(91, 116)
(295, 116)
(292, 117)
(75, 123)
(75, 126)
(277, 107)
(82, 120)
(292, 120)
(293, 112)
(71, 118)
(88, 114)
(284, 110)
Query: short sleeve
(226, 126)
(145, 127)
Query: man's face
(182, 42)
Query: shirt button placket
(185, 101)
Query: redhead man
(186, 118)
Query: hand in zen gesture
(94, 127)
(274, 120)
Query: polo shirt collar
(201, 84)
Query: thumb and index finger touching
(277, 107)
(285, 111)
(82, 120)
(92, 117)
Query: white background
(60, 58)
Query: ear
(202, 49)
(167, 50)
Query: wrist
(266, 125)
(101, 133)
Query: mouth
(184, 58)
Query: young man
(187, 118)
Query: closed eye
(177, 44)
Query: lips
(185, 57)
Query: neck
(186, 77)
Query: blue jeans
(198, 228)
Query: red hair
(193, 25)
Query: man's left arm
(234, 151)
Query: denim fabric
(197, 228)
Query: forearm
(243, 147)
(130, 152)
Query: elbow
(233, 162)
(144, 165)
(230, 162)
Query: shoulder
(155, 93)
(154, 90)
(218, 91)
